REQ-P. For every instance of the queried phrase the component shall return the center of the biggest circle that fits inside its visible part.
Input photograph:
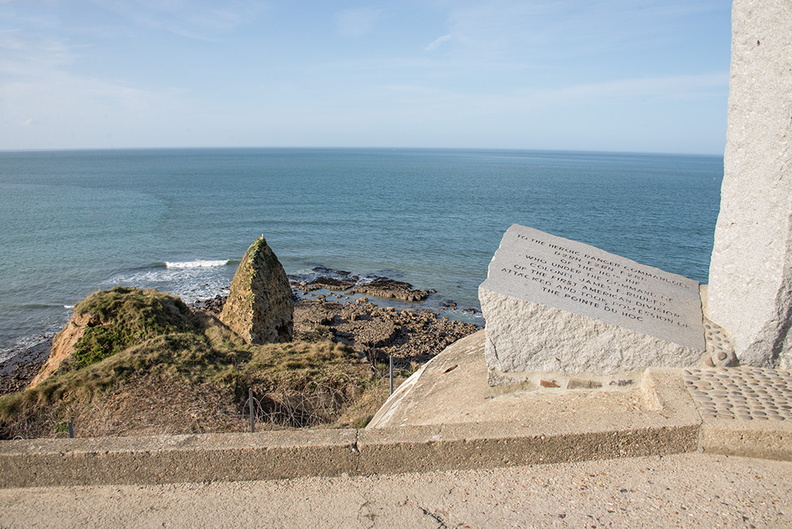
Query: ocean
(73, 222)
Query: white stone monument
(750, 283)
(553, 305)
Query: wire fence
(308, 407)
(305, 408)
(299, 409)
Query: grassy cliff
(144, 363)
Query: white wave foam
(68, 307)
(198, 263)
(23, 343)
(191, 283)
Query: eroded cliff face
(62, 347)
(259, 307)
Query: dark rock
(378, 332)
(389, 288)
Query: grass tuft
(125, 316)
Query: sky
(594, 75)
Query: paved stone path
(741, 393)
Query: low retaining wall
(669, 424)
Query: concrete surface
(650, 454)
(452, 388)
(685, 490)
(735, 411)
(654, 453)
(448, 420)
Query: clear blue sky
(602, 75)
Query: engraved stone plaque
(554, 304)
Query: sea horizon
(354, 148)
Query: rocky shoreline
(350, 284)
(17, 371)
(331, 305)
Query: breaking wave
(190, 280)
(198, 263)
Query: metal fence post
(252, 412)
(390, 374)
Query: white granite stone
(556, 305)
(750, 283)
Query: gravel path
(686, 490)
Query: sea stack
(259, 307)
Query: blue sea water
(72, 222)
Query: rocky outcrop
(378, 332)
(340, 280)
(259, 307)
(388, 288)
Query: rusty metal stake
(390, 374)
(252, 413)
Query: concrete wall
(750, 284)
